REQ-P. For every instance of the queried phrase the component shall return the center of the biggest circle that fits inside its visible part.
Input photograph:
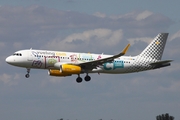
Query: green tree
(171, 118)
(164, 117)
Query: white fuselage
(43, 59)
(61, 63)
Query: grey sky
(100, 26)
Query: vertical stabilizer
(155, 49)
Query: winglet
(125, 49)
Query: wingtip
(126, 49)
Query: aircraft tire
(87, 78)
(27, 75)
(79, 80)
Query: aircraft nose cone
(9, 60)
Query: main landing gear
(28, 71)
(86, 78)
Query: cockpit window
(17, 54)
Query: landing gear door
(30, 56)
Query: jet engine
(58, 73)
(70, 69)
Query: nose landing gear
(28, 71)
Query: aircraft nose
(9, 60)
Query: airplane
(62, 64)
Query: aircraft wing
(93, 64)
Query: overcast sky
(96, 26)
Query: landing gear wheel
(28, 71)
(79, 80)
(87, 78)
(27, 75)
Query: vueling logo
(157, 43)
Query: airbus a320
(62, 64)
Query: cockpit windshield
(17, 54)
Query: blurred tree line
(159, 117)
(164, 117)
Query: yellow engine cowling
(70, 69)
(57, 73)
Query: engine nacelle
(70, 69)
(57, 73)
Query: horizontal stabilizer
(161, 62)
